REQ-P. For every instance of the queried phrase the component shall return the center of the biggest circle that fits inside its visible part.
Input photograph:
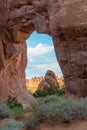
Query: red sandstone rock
(64, 20)
(49, 80)
(32, 84)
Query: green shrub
(5, 111)
(49, 91)
(19, 112)
(12, 102)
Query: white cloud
(37, 66)
(39, 49)
(40, 70)
(31, 59)
(50, 66)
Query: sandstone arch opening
(40, 58)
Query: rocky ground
(75, 125)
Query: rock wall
(64, 20)
(70, 41)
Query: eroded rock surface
(49, 80)
(64, 20)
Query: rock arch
(64, 20)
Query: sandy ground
(75, 125)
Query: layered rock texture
(64, 20)
(49, 80)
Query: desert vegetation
(49, 91)
(49, 109)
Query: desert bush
(64, 110)
(19, 112)
(49, 91)
(31, 122)
(28, 109)
(51, 108)
(5, 111)
(44, 100)
(49, 99)
(36, 105)
(12, 102)
(17, 107)
(10, 124)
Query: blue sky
(41, 56)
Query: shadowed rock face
(64, 20)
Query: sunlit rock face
(64, 20)
(32, 84)
(48, 81)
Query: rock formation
(64, 20)
(49, 80)
(32, 84)
(60, 81)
